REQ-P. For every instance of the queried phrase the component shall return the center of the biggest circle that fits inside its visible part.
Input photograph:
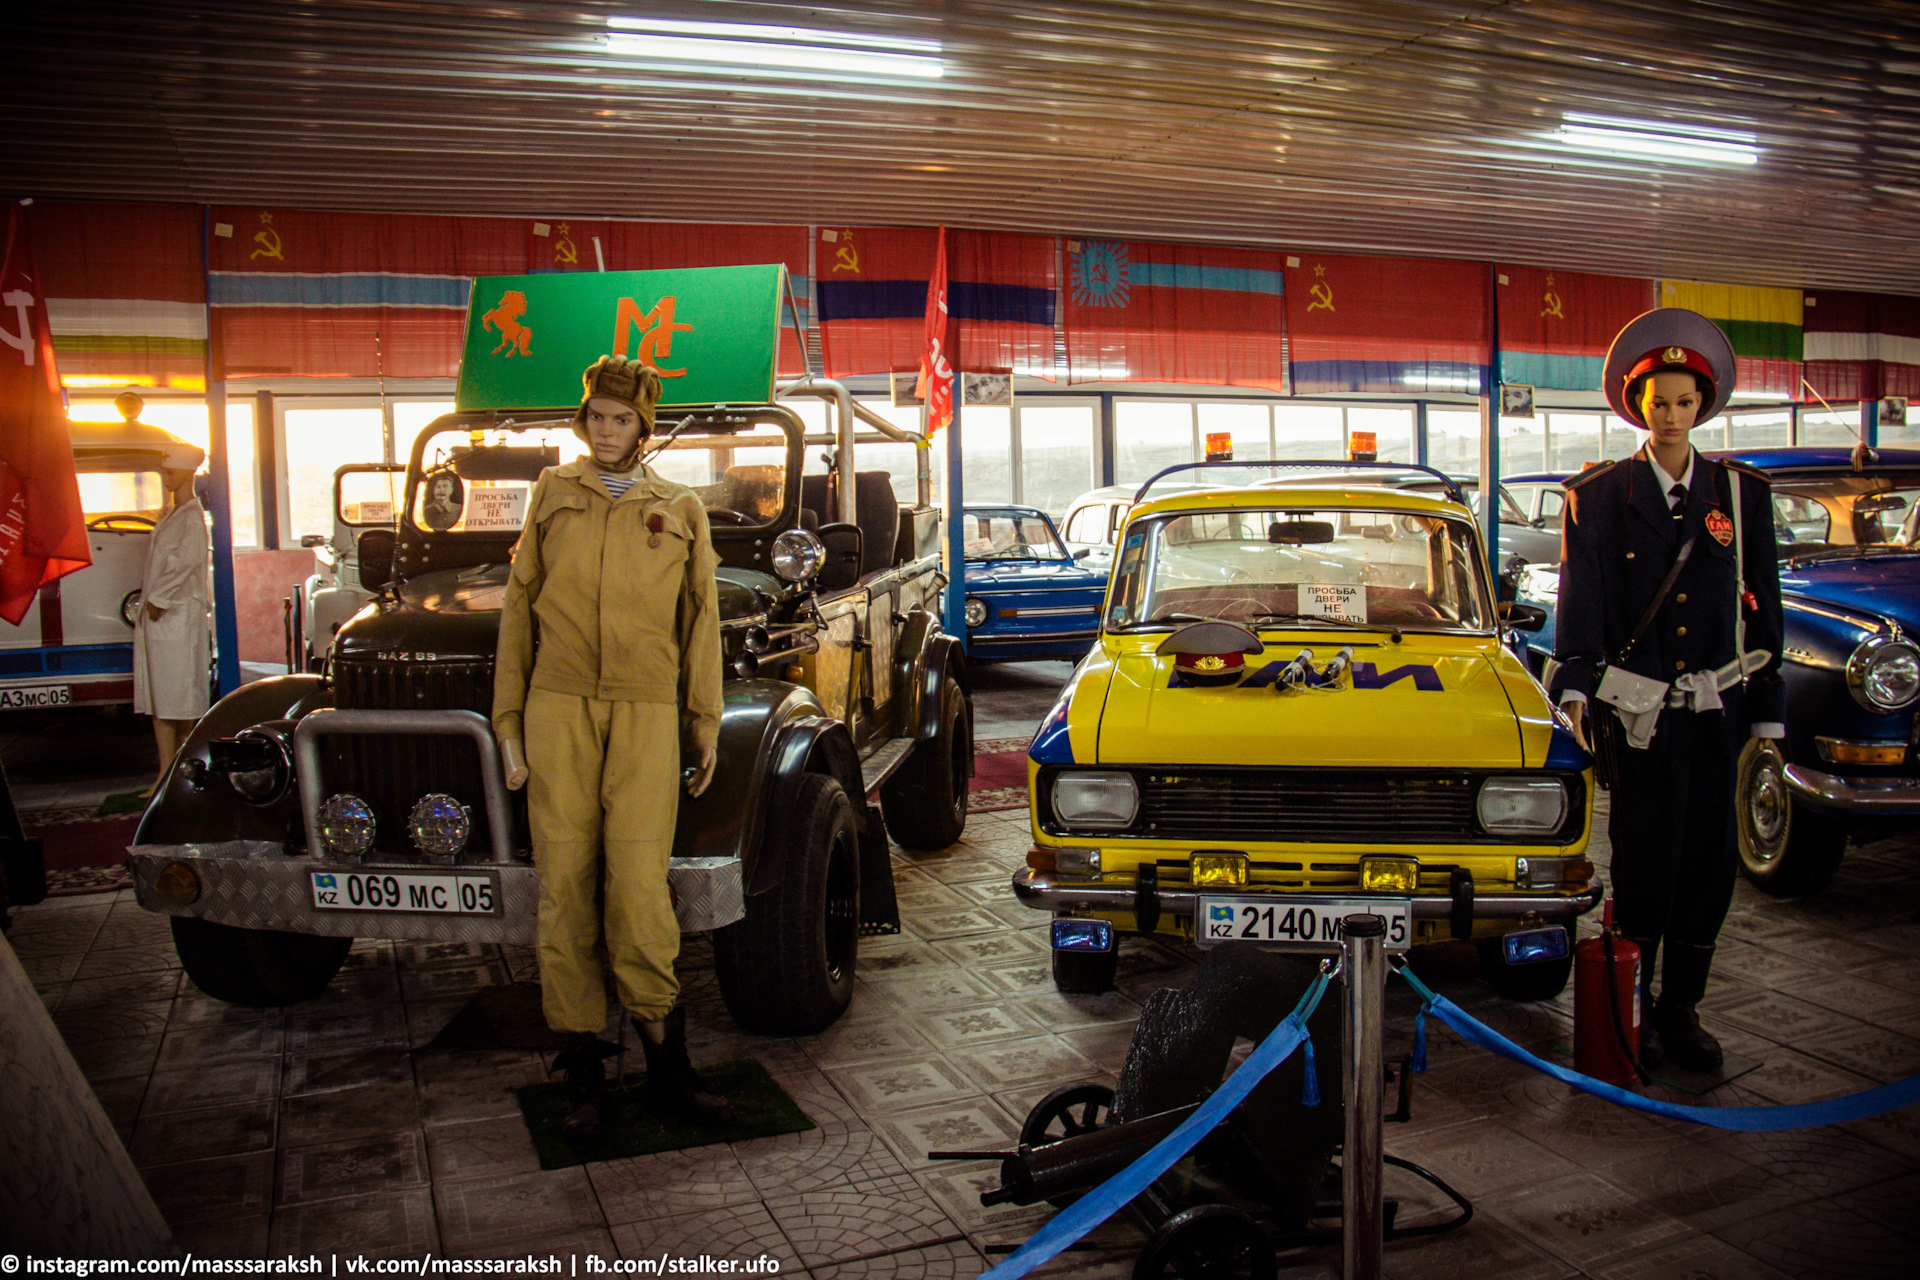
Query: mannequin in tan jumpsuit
(614, 574)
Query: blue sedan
(1849, 548)
(1027, 596)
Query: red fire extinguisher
(1606, 1006)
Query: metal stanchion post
(1364, 965)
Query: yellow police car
(1300, 708)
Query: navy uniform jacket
(1619, 540)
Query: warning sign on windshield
(1347, 604)
(496, 508)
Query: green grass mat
(126, 802)
(762, 1109)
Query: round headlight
(130, 608)
(976, 612)
(269, 781)
(346, 824)
(798, 555)
(439, 825)
(1884, 673)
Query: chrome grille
(391, 772)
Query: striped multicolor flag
(1556, 326)
(1861, 346)
(1387, 324)
(1764, 325)
(1138, 311)
(126, 293)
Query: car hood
(1033, 575)
(454, 614)
(1408, 705)
(1886, 585)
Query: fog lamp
(1082, 935)
(1210, 869)
(439, 825)
(1531, 946)
(1834, 751)
(346, 824)
(1389, 875)
(177, 885)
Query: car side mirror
(842, 566)
(313, 540)
(1523, 617)
(374, 550)
(1083, 553)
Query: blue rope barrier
(1107, 1199)
(1806, 1115)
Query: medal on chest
(654, 525)
(1720, 527)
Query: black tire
(1085, 973)
(259, 968)
(925, 801)
(1522, 983)
(787, 969)
(1786, 848)
(1208, 1242)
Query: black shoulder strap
(1659, 597)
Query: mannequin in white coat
(170, 641)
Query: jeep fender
(182, 812)
(928, 656)
(807, 744)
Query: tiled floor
(327, 1127)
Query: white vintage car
(357, 560)
(74, 647)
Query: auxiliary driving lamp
(1216, 869)
(1389, 875)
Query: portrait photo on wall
(1893, 411)
(444, 498)
(1516, 400)
(903, 391)
(987, 388)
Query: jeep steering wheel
(727, 515)
(120, 523)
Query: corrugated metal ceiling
(1373, 126)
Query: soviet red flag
(935, 384)
(43, 534)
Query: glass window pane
(986, 443)
(1149, 436)
(1308, 431)
(243, 475)
(1553, 506)
(127, 493)
(1622, 438)
(186, 421)
(1056, 455)
(1757, 428)
(1840, 426)
(1523, 445)
(1392, 427)
(1453, 441)
(409, 416)
(1906, 432)
(317, 442)
(1247, 426)
(1576, 440)
(898, 460)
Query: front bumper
(1892, 797)
(1049, 891)
(256, 884)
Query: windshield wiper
(1308, 623)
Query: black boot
(584, 1062)
(1651, 1056)
(672, 1083)
(1683, 983)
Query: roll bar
(1453, 486)
(849, 410)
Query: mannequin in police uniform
(614, 575)
(1672, 812)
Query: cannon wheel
(1067, 1112)
(1208, 1242)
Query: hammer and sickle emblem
(268, 240)
(1322, 294)
(563, 251)
(847, 256)
(1551, 301)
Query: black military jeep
(368, 800)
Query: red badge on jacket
(1720, 527)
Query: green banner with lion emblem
(711, 332)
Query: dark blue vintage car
(1027, 596)
(1849, 546)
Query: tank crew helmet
(632, 382)
(1665, 340)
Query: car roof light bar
(1454, 491)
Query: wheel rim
(1068, 1114)
(1766, 810)
(842, 932)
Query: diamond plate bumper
(255, 885)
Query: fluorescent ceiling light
(782, 48)
(1605, 135)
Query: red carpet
(999, 775)
(85, 853)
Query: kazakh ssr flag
(1556, 326)
(1764, 325)
(1862, 346)
(1140, 311)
